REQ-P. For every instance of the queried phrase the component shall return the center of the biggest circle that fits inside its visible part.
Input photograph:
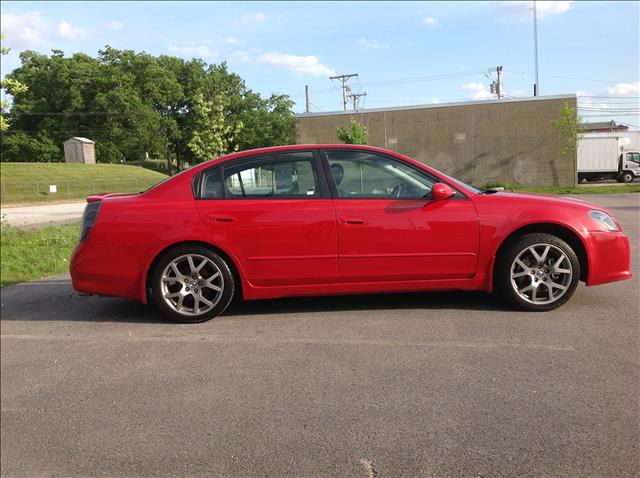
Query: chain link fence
(42, 190)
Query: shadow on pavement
(54, 300)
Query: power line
(559, 77)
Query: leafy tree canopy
(133, 103)
(356, 134)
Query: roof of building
(81, 140)
(439, 105)
(603, 125)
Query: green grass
(28, 255)
(29, 182)
(622, 188)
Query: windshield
(460, 183)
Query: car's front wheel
(537, 272)
(191, 283)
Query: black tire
(504, 285)
(626, 177)
(226, 281)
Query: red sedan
(337, 219)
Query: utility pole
(345, 87)
(496, 85)
(306, 94)
(536, 85)
(355, 97)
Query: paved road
(43, 214)
(446, 384)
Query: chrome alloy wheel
(192, 284)
(541, 273)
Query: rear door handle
(219, 218)
(353, 221)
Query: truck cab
(629, 166)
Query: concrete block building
(506, 140)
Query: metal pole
(536, 86)
(306, 94)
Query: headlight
(604, 221)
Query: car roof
(296, 147)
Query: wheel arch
(563, 232)
(233, 266)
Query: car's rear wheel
(538, 272)
(192, 284)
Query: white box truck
(606, 158)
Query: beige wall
(506, 141)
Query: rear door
(390, 229)
(275, 214)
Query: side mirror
(441, 191)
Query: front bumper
(609, 255)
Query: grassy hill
(30, 182)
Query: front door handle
(220, 218)
(353, 221)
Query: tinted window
(359, 174)
(285, 175)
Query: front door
(388, 226)
(274, 214)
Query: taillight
(89, 219)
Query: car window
(212, 184)
(359, 174)
(285, 175)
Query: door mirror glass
(441, 191)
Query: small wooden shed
(80, 150)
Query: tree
(356, 134)
(568, 129)
(12, 86)
(132, 103)
(212, 134)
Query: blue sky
(589, 48)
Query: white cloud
(435, 101)
(228, 40)
(517, 11)
(372, 44)
(253, 17)
(625, 89)
(31, 30)
(306, 65)
(193, 51)
(480, 91)
(25, 30)
(70, 32)
(240, 56)
(430, 22)
(473, 86)
(114, 25)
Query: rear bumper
(103, 271)
(609, 257)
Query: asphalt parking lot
(434, 384)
